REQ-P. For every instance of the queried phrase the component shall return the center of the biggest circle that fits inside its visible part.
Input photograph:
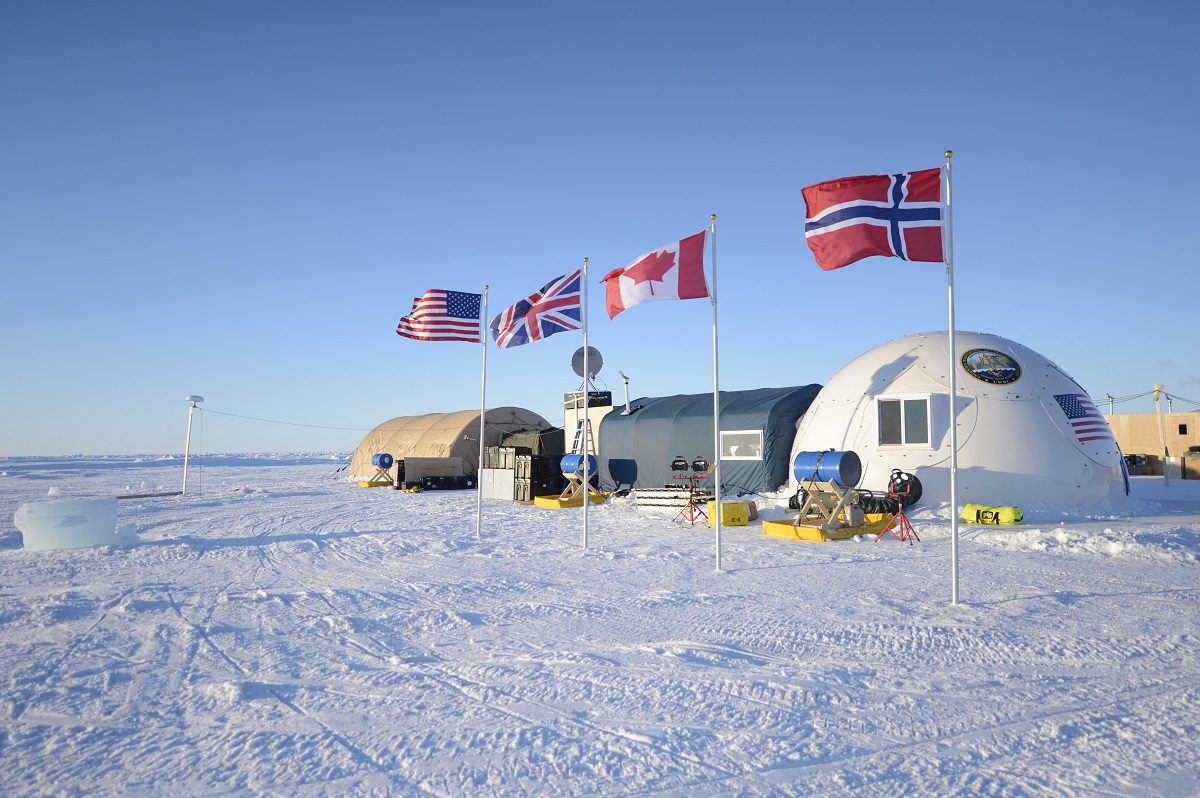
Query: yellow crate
(732, 513)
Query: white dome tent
(1027, 432)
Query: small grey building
(757, 430)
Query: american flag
(1086, 421)
(555, 308)
(443, 316)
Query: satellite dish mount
(594, 363)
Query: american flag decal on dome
(1086, 421)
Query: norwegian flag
(555, 308)
(1086, 421)
(896, 216)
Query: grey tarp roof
(636, 450)
(543, 441)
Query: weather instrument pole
(948, 244)
(187, 447)
(482, 417)
(716, 469)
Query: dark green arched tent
(757, 430)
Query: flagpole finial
(585, 260)
(713, 217)
(949, 154)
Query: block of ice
(67, 523)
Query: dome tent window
(742, 444)
(904, 422)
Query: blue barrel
(843, 468)
(382, 460)
(573, 464)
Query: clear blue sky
(240, 200)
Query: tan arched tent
(441, 435)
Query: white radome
(1016, 444)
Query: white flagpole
(948, 243)
(482, 416)
(586, 391)
(716, 468)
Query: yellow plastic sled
(576, 501)
(793, 531)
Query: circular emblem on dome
(991, 366)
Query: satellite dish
(595, 361)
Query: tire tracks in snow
(265, 562)
(433, 667)
(933, 749)
(50, 669)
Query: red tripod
(900, 527)
(693, 510)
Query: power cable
(1179, 398)
(288, 423)
(1127, 398)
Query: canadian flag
(674, 272)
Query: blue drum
(841, 468)
(573, 464)
(382, 460)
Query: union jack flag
(891, 215)
(1086, 421)
(556, 308)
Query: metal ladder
(583, 438)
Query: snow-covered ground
(281, 631)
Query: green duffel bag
(983, 514)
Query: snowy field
(281, 631)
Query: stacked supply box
(447, 483)
(416, 470)
(502, 465)
(529, 488)
(499, 483)
(534, 466)
(503, 456)
(536, 476)
(515, 473)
